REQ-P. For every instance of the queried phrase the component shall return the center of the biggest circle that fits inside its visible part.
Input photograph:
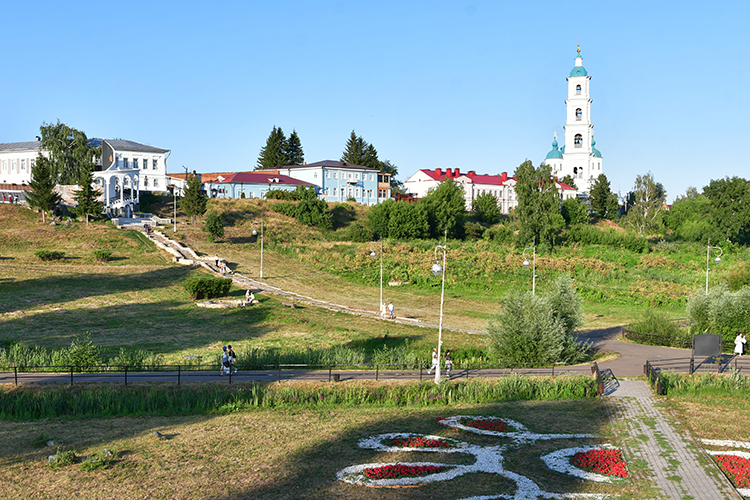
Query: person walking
(247, 295)
(225, 366)
(232, 357)
(391, 310)
(448, 363)
(434, 361)
(739, 344)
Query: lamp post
(373, 254)
(174, 192)
(438, 270)
(255, 233)
(533, 269)
(708, 256)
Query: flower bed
(736, 465)
(397, 471)
(601, 461)
(486, 425)
(418, 442)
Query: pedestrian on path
(225, 366)
(247, 295)
(232, 357)
(383, 309)
(434, 361)
(391, 310)
(448, 363)
(739, 344)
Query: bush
(499, 233)
(213, 226)
(588, 235)
(101, 460)
(485, 206)
(473, 230)
(721, 312)
(739, 276)
(286, 208)
(62, 459)
(49, 255)
(656, 324)
(358, 232)
(283, 194)
(102, 255)
(207, 287)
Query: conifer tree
(86, 196)
(294, 153)
(193, 201)
(42, 183)
(603, 201)
(274, 153)
(359, 152)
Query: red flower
(487, 425)
(606, 462)
(736, 468)
(419, 442)
(397, 471)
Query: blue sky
(475, 85)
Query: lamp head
(373, 254)
(255, 232)
(437, 269)
(526, 264)
(718, 260)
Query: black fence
(269, 373)
(682, 341)
(723, 363)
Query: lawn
(285, 453)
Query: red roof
(451, 173)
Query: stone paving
(671, 457)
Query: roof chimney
(504, 177)
(439, 171)
(456, 172)
(471, 174)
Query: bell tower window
(579, 113)
(578, 140)
(578, 90)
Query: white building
(578, 157)
(124, 169)
(501, 186)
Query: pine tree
(274, 153)
(294, 154)
(603, 201)
(86, 196)
(42, 183)
(359, 152)
(193, 201)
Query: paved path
(671, 457)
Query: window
(327, 191)
(315, 175)
(335, 175)
(5, 165)
(156, 182)
(358, 193)
(135, 163)
(382, 193)
(356, 176)
(328, 175)
(154, 163)
(23, 165)
(145, 181)
(12, 166)
(578, 140)
(578, 114)
(578, 90)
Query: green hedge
(49, 255)
(207, 287)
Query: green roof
(555, 153)
(578, 71)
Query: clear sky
(469, 84)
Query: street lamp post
(533, 269)
(373, 255)
(174, 192)
(708, 256)
(255, 233)
(438, 270)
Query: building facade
(251, 184)
(578, 157)
(502, 187)
(338, 182)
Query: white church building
(578, 157)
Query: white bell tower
(580, 159)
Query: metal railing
(720, 364)
(268, 372)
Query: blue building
(342, 181)
(251, 184)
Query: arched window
(578, 90)
(578, 114)
(578, 140)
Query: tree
(574, 211)
(730, 207)
(570, 181)
(86, 196)
(648, 202)
(42, 184)
(193, 201)
(407, 221)
(538, 207)
(69, 152)
(485, 206)
(294, 153)
(213, 226)
(359, 152)
(446, 208)
(274, 153)
(603, 201)
(311, 210)
(690, 217)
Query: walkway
(671, 457)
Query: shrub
(101, 460)
(83, 353)
(207, 287)
(473, 230)
(102, 255)
(286, 208)
(282, 194)
(499, 233)
(358, 232)
(213, 226)
(49, 255)
(721, 312)
(485, 206)
(657, 324)
(739, 275)
(62, 459)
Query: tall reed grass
(101, 401)
(733, 384)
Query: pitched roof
(331, 164)
(125, 145)
(564, 186)
(439, 175)
(262, 178)
(20, 146)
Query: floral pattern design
(488, 459)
